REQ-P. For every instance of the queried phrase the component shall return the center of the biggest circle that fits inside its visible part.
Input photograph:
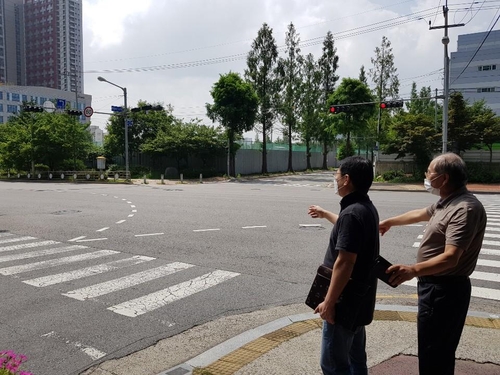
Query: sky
(169, 51)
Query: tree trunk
(325, 153)
(264, 147)
(308, 155)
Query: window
(1, 119)
(25, 98)
(486, 67)
(16, 97)
(1, 95)
(12, 108)
(486, 89)
(1, 107)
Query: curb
(232, 355)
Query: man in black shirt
(352, 249)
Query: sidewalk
(286, 340)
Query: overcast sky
(148, 37)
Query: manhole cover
(66, 212)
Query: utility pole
(436, 110)
(446, 91)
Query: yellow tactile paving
(234, 361)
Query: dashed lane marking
(206, 230)
(92, 239)
(77, 238)
(148, 234)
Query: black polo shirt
(356, 231)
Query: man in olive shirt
(446, 257)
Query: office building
(481, 78)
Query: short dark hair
(454, 166)
(360, 171)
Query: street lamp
(102, 79)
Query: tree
(261, 63)
(310, 104)
(462, 135)
(288, 72)
(328, 63)
(413, 134)
(235, 108)
(355, 120)
(421, 102)
(486, 123)
(362, 75)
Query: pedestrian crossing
(488, 264)
(15, 251)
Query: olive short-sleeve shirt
(458, 220)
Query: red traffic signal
(391, 104)
(339, 108)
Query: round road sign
(88, 111)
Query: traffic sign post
(88, 111)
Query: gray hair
(454, 166)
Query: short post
(201, 178)
(182, 178)
(162, 182)
(145, 182)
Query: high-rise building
(54, 48)
(481, 77)
(41, 44)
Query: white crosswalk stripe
(35, 254)
(126, 282)
(27, 245)
(87, 271)
(18, 239)
(163, 297)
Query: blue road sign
(116, 108)
(61, 104)
(129, 122)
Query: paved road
(99, 271)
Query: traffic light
(73, 112)
(339, 108)
(32, 108)
(391, 104)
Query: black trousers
(442, 308)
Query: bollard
(182, 178)
(201, 178)
(145, 182)
(162, 179)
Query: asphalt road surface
(91, 272)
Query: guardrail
(74, 176)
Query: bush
(345, 151)
(482, 173)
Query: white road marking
(491, 219)
(18, 239)
(27, 245)
(206, 230)
(490, 252)
(163, 297)
(488, 263)
(420, 236)
(93, 353)
(414, 225)
(479, 292)
(493, 223)
(489, 243)
(492, 235)
(493, 229)
(55, 262)
(125, 282)
(39, 253)
(488, 276)
(131, 215)
(132, 206)
(129, 202)
(123, 199)
(254, 226)
(92, 239)
(102, 229)
(310, 225)
(149, 234)
(77, 238)
(134, 210)
(121, 221)
(87, 271)
(491, 216)
(416, 244)
(115, 197)
(5, 234)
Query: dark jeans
(343, 351)
(442, 309)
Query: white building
(97, 135)
(13, 97)
(481, 78)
